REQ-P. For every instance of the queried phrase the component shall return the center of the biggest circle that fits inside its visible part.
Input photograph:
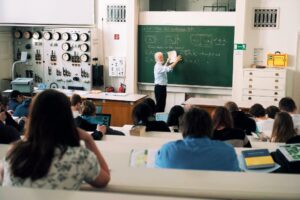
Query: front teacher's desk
(209, 104)
(120, 107)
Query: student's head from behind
(196, 122)
(50, 126)
(88, 108)
(175, 116)
(222, 118)
(3, 103)
(231, 106)
(150, 102)
(257, 111)
(141, 113)
(16, 95)
(283, 128)
(159, 57)
(271, 111)
(76, 102)
(287, 104)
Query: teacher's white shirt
(160, 74)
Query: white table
(11, 193)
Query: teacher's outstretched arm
(178, 59)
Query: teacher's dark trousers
(160, 96)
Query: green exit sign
(240, 47)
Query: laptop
(103, 119)
(162, 116)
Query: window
(188, 5)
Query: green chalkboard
(207, 53)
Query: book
(291, 152)
(258, 159)
(142, 158)
(261, 170)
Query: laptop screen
(162, 116)
(103, 119)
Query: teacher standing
(161, 79)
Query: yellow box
(277, 60)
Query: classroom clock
(84, 47)
(75, 36)
(84, 58)
(37, 35)
(66, 46)
(66, 36)
(27, 35)
(48, 36)
(84, 37)
(56, 36)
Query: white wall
(283, 39)
(6, 58)
(47, 12)
(124, 47)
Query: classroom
(149, 99)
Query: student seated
(8, 134)
(50, 156)
(175, 117)
(22, 110)
(271, 111)
(263, 123)
(15, 99)
(76, 105)
(9, 121)
(142, 115)
(197, 151)
(88, 121)
(288, 105)
(283, 129)
(224, 131)
(240, 119)
(151, 103)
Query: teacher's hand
(178, 59)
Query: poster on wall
(117, 66)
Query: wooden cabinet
(266, 85)
(121, 111)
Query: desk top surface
(98, 95)
(220, 102)
(37, 194)
(185, 183)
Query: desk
(10, 193)
(120, 107)
(209, 104)
(189, 183)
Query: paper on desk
(172, 55)
(142, 158)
